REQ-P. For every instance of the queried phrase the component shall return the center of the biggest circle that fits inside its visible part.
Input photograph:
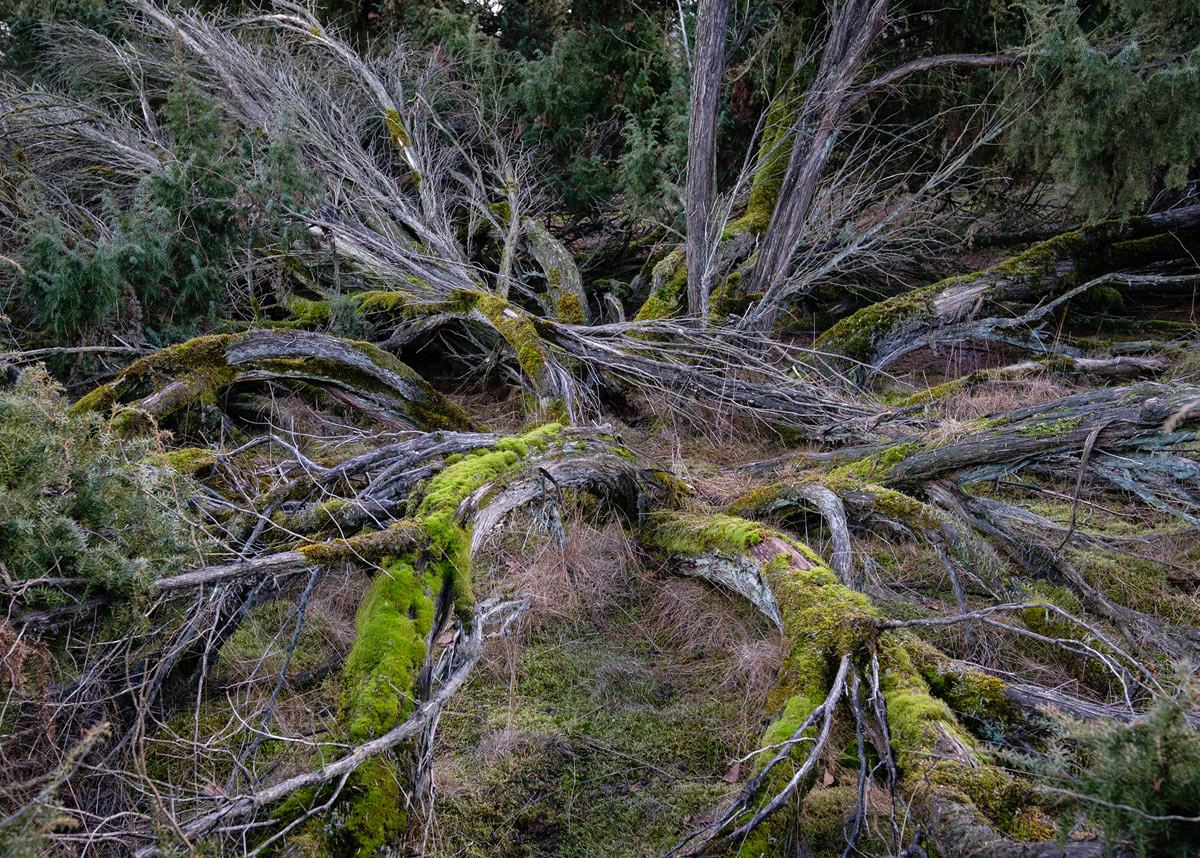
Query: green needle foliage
(168, 265)
(79, 503)
(1118, 80)
(1133, 776)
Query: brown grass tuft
(1000, 396)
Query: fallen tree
(921, 616)
(429, 501)
(1004, 301)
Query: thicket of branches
(361, 316)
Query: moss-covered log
(1123, 419)
(424, 580)
(965, 804)
(568, 301)
(197, 372)
(396, 318)
(877, 335)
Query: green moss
(191, 460)
(515, 326)
(669, 291)
(502, 210)
(970, 693)
(875, 467)
(656, 307)
(944, 390)
(759, 207)
(101, 399)
(200, 363)
(201, 368)
(395, 619)
(773, 154)
(822, 620)
(779, 498)
(372, 813)
(376, 301)
(825, 819)
(329, 515)
(919, 722)
(379, 679)
(395, 128)
(728, 299)
(1050, 428)
(855, 336)
(690, 535)
(389, 648)
(1138, 583)
(398, 537)
(569, 310)
(450, 544)
(763, 501)
(1102, 299)
(1140, 251)
(1032, 825)
(310, 314)
(934, 752)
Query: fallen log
(198, 371)
(876, 336)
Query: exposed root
(833, 637)
(198, 371)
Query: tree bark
(960, 307)
(853, 28)
(708, 70)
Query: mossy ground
(242, 680)
(599, 751)
(600, 729)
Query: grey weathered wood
(708, 70)
(852, 30)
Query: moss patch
(599, 737)
(669, 289)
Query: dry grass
(587, 575)
(683, 432)
(696, 619)
(1000, 396)
(196, 748)
(599, 576)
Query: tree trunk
(853, 28)
(963, 307)
(708, 70)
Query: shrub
(1134, 774)
(80, 506)
(1152, 765)
(167, 264)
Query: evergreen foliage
(79, 503)
(1115, 78)
(167, 265)
(22, 49)
(1127, 777)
